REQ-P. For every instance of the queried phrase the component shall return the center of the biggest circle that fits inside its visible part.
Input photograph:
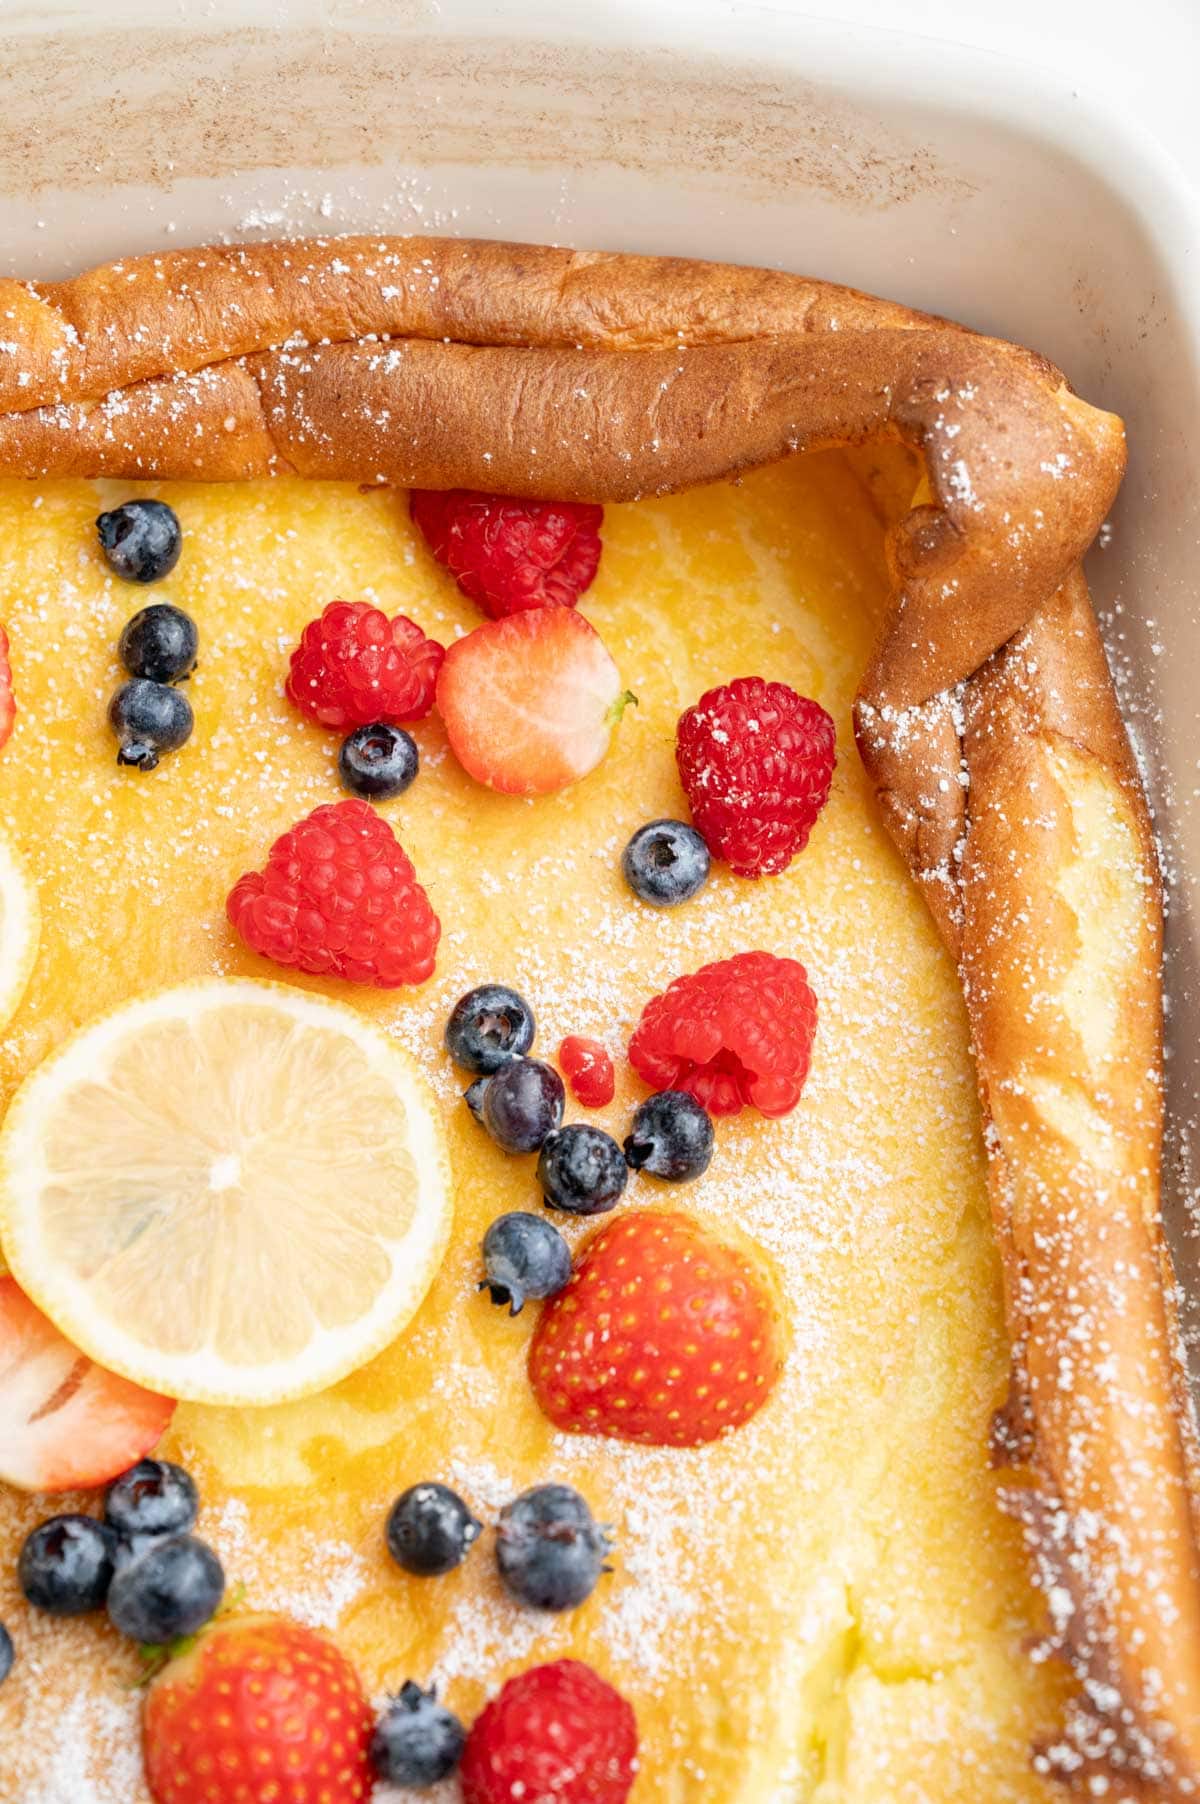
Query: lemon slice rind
(202, 1374)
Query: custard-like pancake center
(826, 1607)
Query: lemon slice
(232, 1192)
(20, 930)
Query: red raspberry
(509, 555)
(354, 667)
(556, 1734)
(8, 706)
(588, 1069)
(756, 761)
(736, 1032)
(339, 898)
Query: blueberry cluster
(550, 1550)
(581, 1169)
(141, 1562)
(149, 716)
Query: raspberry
(509, 555)
(736, 1032)
(339, 898)
(756, 760)
(556, 1734)
(356, 668)
(588, 1069)
(8, 706)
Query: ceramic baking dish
(942, 177)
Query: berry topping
(550, 1549)
(735, 1033)
(141, 540)
(66, 1565)
(148, 720)
(756, 761)
(672, 1137)
(588, 1068)
(8, 705)
(152, 1498)
(354, 667)
(582, 1169)
(665, 863)
(523, 1103)
(417, 1741)
(523, 1256)
(7, 1653)
(430, 1530)
(378, 762)
(172, 1588)
(339, 898)
(488, 1027)
(665, 1334)
(65, 1424)
(273, 1708)
(160, 643)
(555, 1734)
(530, 702)
(509, 555)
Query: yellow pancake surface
(827, 1607)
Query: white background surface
(1143, 54)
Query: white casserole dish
(943, 177)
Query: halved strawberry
(65, 1424)
(8, 706)
(530, 702)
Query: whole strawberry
(557, 1734)
(736, 1033)
(339, 898)
(508, 555)
(756, 760)
(354, 668)
(260, 1707)
(664, 1334)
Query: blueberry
(430, 1530)
(582, 1170)
(160, 643)
(473, 1096)
(549, 1548)
(378, 762)
(672, 1137)
(152, 1498)
(141, 540)
(148, 719)
(172, 1588)
(417, 1741)
(665, 863)
(524, 1256)
(66, 1565)
(488, 1027)
(7, 1655)
(522, 1104)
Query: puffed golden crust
(986, 718)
